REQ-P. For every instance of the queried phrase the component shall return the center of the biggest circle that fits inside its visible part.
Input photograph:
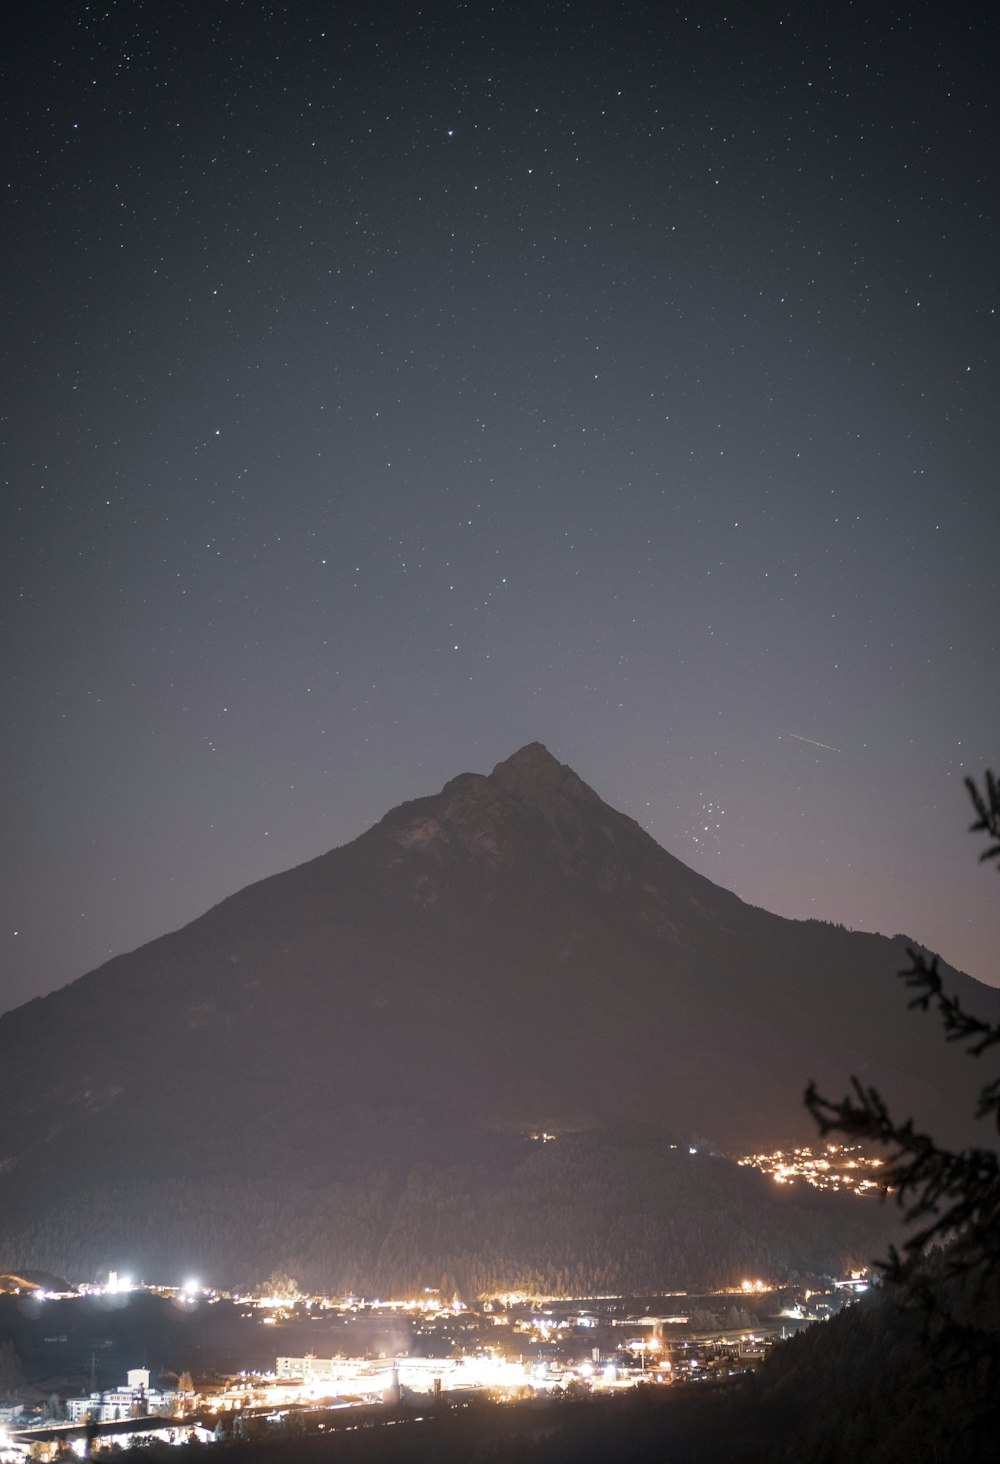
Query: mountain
(339, 1067)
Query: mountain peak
(533, 772)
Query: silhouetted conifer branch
(959, 1025)
(987, 806)
(958, 1194)
(952, 1198)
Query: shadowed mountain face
(508, 956)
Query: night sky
(388, 385)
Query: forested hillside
(602, 1211)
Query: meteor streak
(811, 741)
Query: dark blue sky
(386, 386)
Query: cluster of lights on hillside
(841, 1167)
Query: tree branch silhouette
(953, 1198)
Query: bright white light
(191, 1287)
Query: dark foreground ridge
(339, 1068)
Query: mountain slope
(509, 955)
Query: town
(841, 1167)
(331, 1358)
